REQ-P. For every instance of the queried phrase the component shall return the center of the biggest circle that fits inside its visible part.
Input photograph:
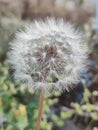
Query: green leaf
(66, 115)
(87, 94)
(89, 107)
(22, 122)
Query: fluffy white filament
(51, 47)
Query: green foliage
(66, 115)
(19, 107)
(87, 109)
(95, 48)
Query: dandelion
(48, 55)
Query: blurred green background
(75, 110)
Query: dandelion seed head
(50, 49)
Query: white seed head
(51, 50)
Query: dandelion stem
(41, 101)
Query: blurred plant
(86, 105)
(17, 111)
(91, 36)
(7, 28)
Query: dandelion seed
(44, 47)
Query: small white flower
(51, 50)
